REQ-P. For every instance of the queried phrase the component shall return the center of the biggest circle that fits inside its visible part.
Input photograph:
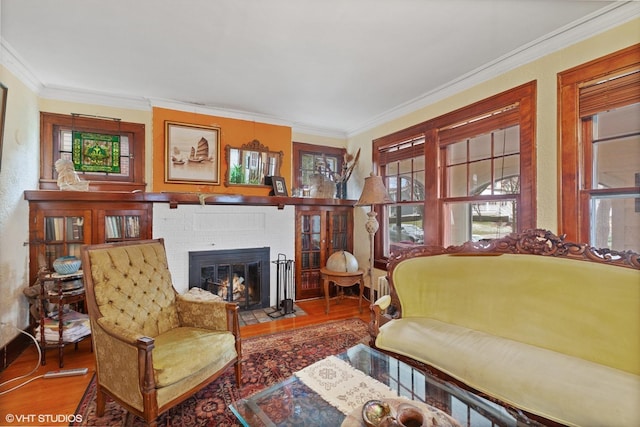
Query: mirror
(249, 164)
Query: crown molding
(60, 93)
(312, 130)
(244, 115)
(217, 111)
(10, 59)
(600, 21)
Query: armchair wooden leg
(100, 403)
(238, 368)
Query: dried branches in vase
(326, 183)
(348, 165)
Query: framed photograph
(3, 108)
(192, 153)
(279, 186)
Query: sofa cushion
(181, 352)
(535, 379)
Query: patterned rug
(266, 360)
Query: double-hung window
(403, 168)
(599, 105)
(466, 175)
(480, 177)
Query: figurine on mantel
(68, 179)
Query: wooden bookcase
(60, 222)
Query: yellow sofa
(546, 326)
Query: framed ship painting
(192, 153)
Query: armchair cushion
(173, 357)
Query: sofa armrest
(377, 319)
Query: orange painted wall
(233, 132)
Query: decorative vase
(341, 190)
(66, 265)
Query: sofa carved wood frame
(153, 347)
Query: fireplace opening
(237, 275)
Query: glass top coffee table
(292, 403)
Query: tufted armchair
(154, 348)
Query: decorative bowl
(66, 265)
(374, 411)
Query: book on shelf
(113, 225)
(133, 226)
(74, 228)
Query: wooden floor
(53, 401)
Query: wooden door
(311, 239)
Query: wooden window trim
(525, 97)
(49, 122)
(573, 210)
(300, 148)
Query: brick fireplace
(237, 275)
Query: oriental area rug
(266, 360)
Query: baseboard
(13, 349)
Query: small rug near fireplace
(262, 315)
(266, 360)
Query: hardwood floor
(53, 401)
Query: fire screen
(237, 275)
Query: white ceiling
(332, 66)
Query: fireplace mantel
(176, 199)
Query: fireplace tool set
(285, 285)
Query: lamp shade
(374, 192)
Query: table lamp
(373, 193)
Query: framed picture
(3, 108)
(192, 153)
(279, 186)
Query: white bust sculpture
(68, 179)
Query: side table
(60, 290)
(342, 280)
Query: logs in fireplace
(237, 275)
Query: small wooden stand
(61, 298)
(342, 280)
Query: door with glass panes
(320, 231)
(57, 233)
